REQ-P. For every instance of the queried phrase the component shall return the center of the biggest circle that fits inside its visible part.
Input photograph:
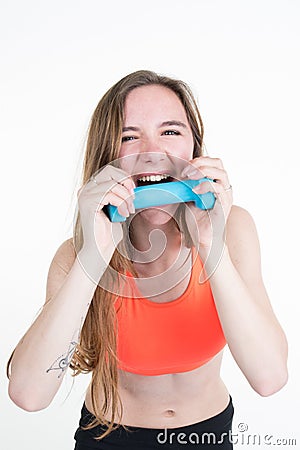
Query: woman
(148, 305)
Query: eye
(171, 132)
(128, 138)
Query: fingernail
(132, 208)
(187, 170)
(197, 188)
(184, 171)
(191, 173)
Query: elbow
(273, 376)
(26, 402)
(268, 386)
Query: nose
(152, 157)
(152, 153)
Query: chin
(159, 215)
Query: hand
(208, 226)
(110, 185)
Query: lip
(145, 174)
(136, 178)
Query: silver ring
(94, 180)
(228, 189)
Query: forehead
(153, 101)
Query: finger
(125, 194)
(120, 191)
(113, 199)
(129, 184)
(214, 173)
(195, 163)
(208, 186)
(208, 161)
(113, 173)
(123, 178)
(102, 189)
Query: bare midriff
(171, 400)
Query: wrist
(94, 252)
(93, 262)
(213, 255)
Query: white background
(241, 58)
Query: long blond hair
(96, 351)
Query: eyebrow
(124, 129)
(167, 123)
(170, 123)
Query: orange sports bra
(176, 336)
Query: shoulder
(239, 216)
(244, 250)
(242, 238)
(239, 223)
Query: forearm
(254, 336)
(45, 351)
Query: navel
(169, 413)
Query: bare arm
(43, 354)
(45, 351)
(254, 335)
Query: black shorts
(213, 433)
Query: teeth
(153, 178)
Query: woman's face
(157, 138)
(156, 132)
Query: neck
(155, 248)
(143, 233)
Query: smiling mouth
(145, 180)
